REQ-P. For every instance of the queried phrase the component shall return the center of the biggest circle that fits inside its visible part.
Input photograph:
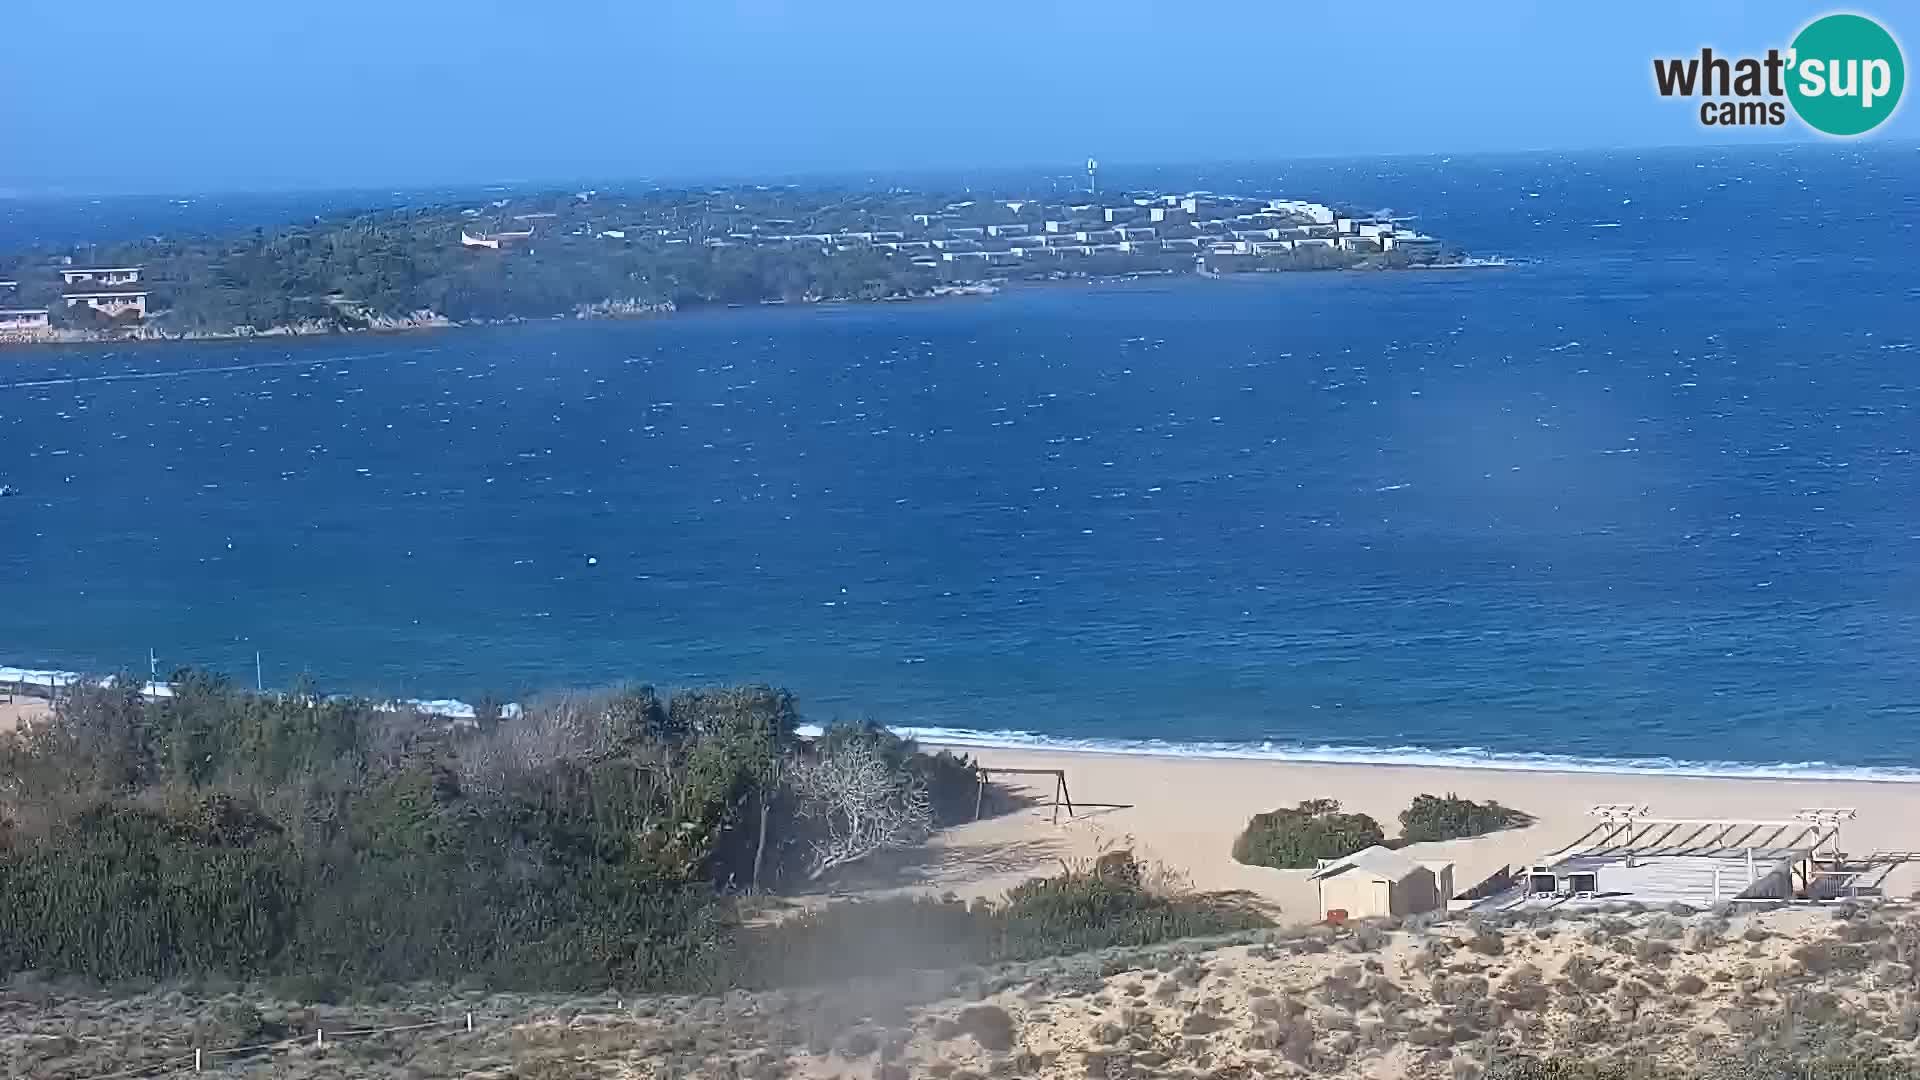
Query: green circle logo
(1847, 74)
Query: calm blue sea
(1650, 500)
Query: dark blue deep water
(1652, 496)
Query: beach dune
(1185, 812)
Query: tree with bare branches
(859, 805)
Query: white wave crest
(1465, 757)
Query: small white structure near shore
(1378, 883)
(1633, 857)
(101, 275)
(24, 319)
(112, 303)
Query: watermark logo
(1842, 75)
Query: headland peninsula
(595, 254)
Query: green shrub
(1824, 957)
(1076, 911)
(1296, 839)
(952, 780)
(1450, 817)
(1104, 907)
(592, 841)
(120, 897)
(862, 937)
(234, 1023)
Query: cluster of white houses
(13, 318)
(1010, 231)
(1196, 223)
(113, 291)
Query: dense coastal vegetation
(1298, 837)
(1450, 817)
(594, 254)
(604, 839)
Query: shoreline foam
(1417, 757)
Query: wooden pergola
(1631, 830)
(1810, 839)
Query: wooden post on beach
(980, 794)
(1060, 792)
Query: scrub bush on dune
(1295, 839)
(1079, 910)
(596, 839)
(1450, 817)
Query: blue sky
(136, 96)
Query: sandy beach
(20, 710)
(1185, 812)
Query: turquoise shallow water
(1648, 499)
